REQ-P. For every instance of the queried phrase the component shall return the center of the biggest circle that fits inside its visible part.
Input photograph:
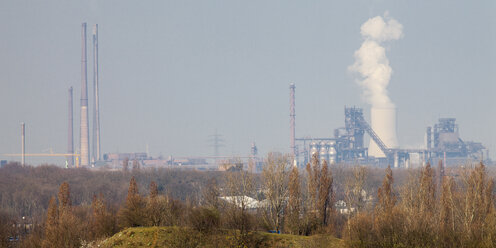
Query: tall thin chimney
(23, 143)
(96, 107)
(70, 137)
(84, 139)
(292, 117)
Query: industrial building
(348, 146)
(444, 142)
(114, 161)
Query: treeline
(414, 208)
(25, 193)
(454, 209)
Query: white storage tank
(332, 155)
(323, 152)
(314, 148)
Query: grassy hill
(185, 237)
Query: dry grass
(185, 237)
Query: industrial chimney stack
(96, 107)
(23, 143)
(292, 118)
(70, 142)
(84, 139)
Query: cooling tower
(383, 122)
(84, 125)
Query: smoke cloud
(371, 62)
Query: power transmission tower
(216, 141)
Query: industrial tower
(70, 142)
(84, 132)
(23, 143)
(96, 106)
(292, 118)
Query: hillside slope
(184, 237)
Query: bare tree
(132, 213)
(321, 196)
(102, 220)
(211, 194)
(153, 190)
(354, 186)
(447, 215)
(64, 196)
(51, 224)
(354, 189)
(313, 178)
(325, 201)
(478, 203)
(385, 194)
(153, 207)
(239, 188)
(294, 208)
(275, 185)
(385, 217)
(410, 202)
(427, 191)
(6, 229)
(62, 227)
(422, 219)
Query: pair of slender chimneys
(84, 124)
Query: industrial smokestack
(373, 67)
(84, 139)
(292, 118)
(23, 143)
(96, 107)
(70, 137)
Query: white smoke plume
(371, 62)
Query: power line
(216, 141)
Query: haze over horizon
(173, 72)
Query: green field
(185, 237)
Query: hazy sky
(172, 72)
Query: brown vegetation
(453, 207)
(321, 198)
(459, 214)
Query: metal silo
(323, 151)
(314, 148)
(332, 152)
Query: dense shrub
(204, 220)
